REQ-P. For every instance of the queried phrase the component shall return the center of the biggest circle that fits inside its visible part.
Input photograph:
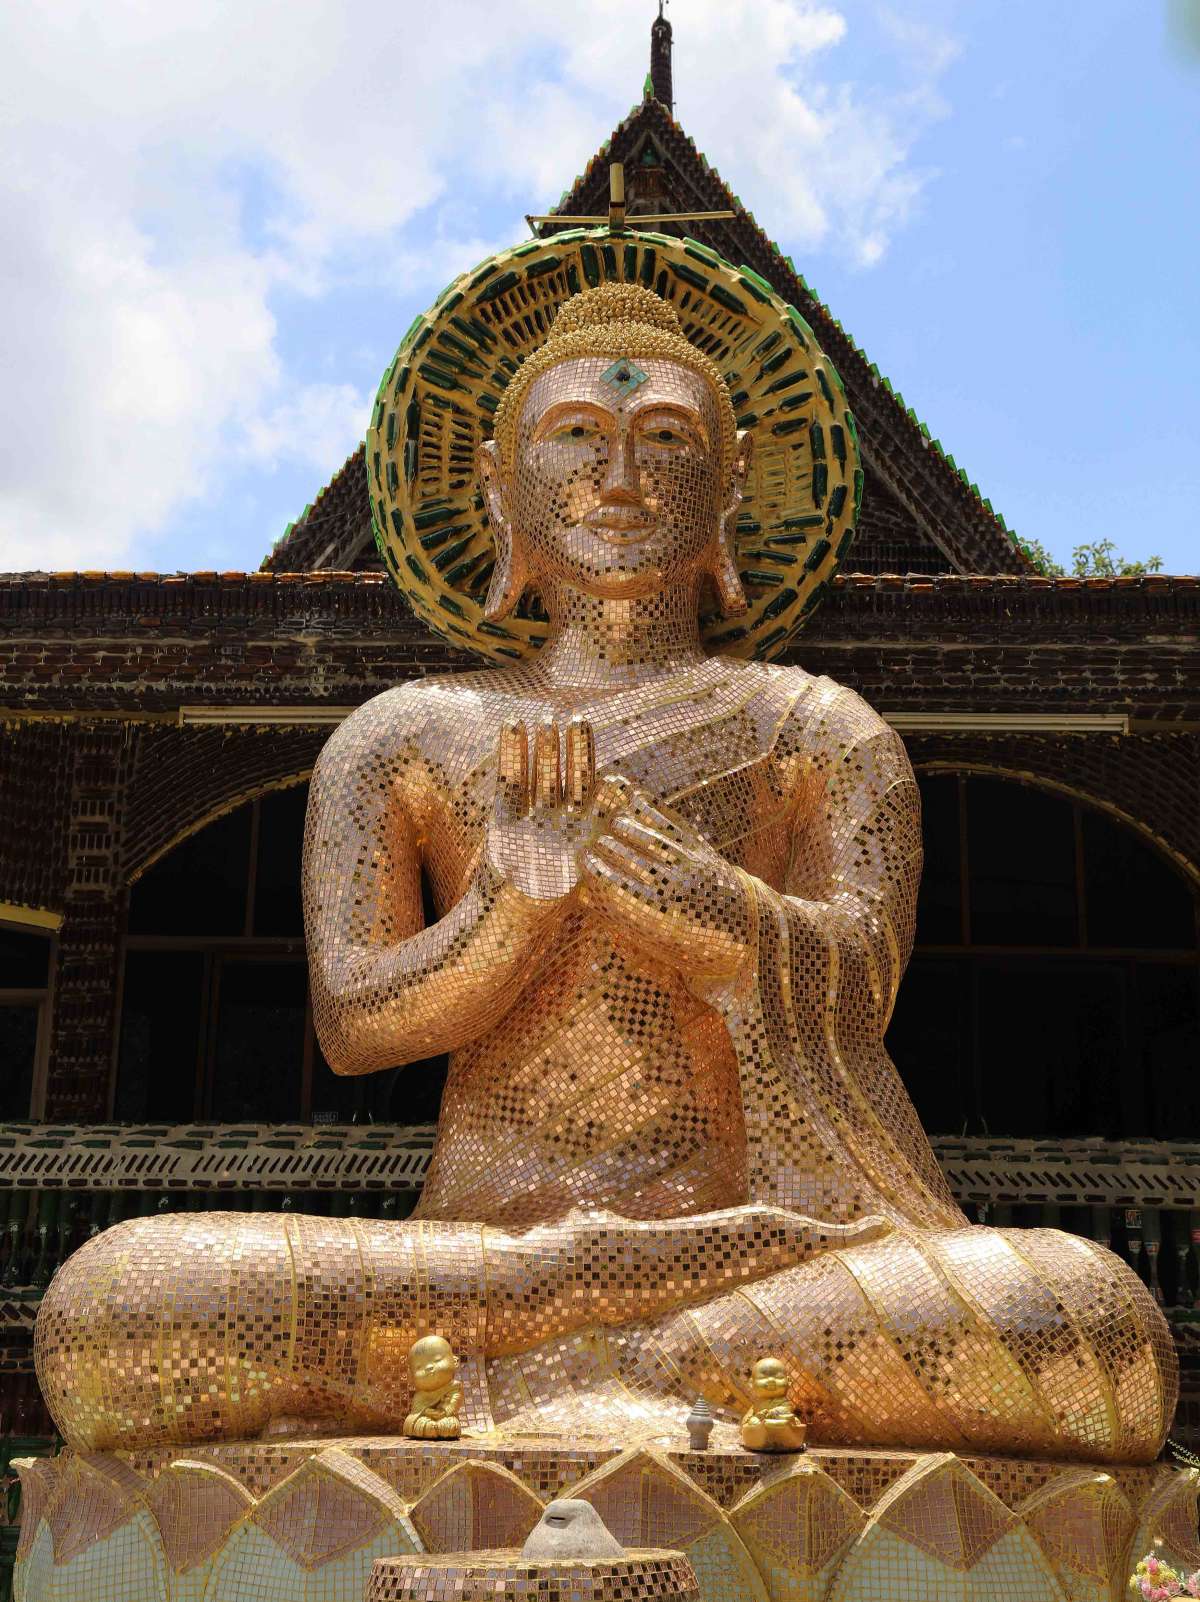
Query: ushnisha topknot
(615, 320)
(615, 303)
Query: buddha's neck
(597, 643)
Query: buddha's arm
(385, 988)
(856, 854)
(847, 920)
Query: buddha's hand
(657, 876)
(540, 818)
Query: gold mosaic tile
(644, 1576)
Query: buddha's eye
(668, 436)
(573, 433)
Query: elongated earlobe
(510, 574)
(508, 582)
(728, 581)
(724, 570)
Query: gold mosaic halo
(438, 400)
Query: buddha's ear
(509, 576)
(725, 574)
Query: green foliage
(1096, 560)
(1099, 560)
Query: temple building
(159, 731)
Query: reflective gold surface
(675, 897)
(437, 1395)
(771, 1424)
(639, 1576)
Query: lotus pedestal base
(305, 1521)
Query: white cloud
(311, 426)
(169, 171)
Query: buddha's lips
(621, 525)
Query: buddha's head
(616, 468)
(431, 1363)
(770, 1379)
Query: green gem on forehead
(624, 376)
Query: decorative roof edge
(326, 578)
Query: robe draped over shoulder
(830, 1129)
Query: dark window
(200, 887)
(258, 1055)
(1073, 1008)
(1050, 1047)
(277, 905)
(1134, 896)
(930, 1040)
(26, 960)
(18, 1053)
(1168, 1048)
(1021, 865)
(940, 908)
(215, 1017)
(161, 1035)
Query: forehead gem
(624, 376)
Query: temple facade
(158, 736)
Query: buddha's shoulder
(821, 712)
(442, 711)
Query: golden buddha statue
(675, 896)
(437, 1395)
(771, 1425)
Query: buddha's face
(770, 1379)
(616, 485)
(432, 1363)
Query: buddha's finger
(613, 795)
(630, 863)
(546, 791)
(581, 763)
(610, 878)
(651, 843)
(622, 895)
(664, 822)
(513, 766)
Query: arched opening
(215, 1016)
(1054, 989)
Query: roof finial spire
(661, 86)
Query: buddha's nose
(622, 482)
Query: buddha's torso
(607, 1083)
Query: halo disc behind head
(438, 398)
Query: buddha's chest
(712, 760)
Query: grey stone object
(699, 1425)
(571, 1528)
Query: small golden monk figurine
(437, 1395)
(771, 1424)
(655, 900)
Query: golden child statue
(771, 1424)
(675, 896)
(437, 1395)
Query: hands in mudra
(556, 832)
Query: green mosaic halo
(437, 401)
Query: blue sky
(216, 223)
